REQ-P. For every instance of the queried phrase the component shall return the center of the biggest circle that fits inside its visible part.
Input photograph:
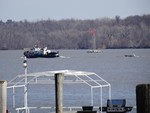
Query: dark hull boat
(40, 53)
(130, 55)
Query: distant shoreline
(117, 33)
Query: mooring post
(143, 98)
(3, 96)
(59, 77)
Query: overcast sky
(33, 10)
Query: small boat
(40, 53)
(130, 55)
(94, 51)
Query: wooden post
(143, 98)
(59, 92)
(3, 96)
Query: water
(123, 73)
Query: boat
(130, 55)
(94, 51)
(93, 42)
(37, 52)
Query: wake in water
(59, 56)
(64, 57)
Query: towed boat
(40, 53)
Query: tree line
(131, 32)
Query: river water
(123, 73)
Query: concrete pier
(3, 96)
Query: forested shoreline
(131, 32)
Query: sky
(35, 10)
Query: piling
(3, 96)
(59, 77)
(143, 98)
